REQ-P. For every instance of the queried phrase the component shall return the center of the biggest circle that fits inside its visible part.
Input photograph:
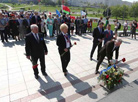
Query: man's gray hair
(33, 26)
(119, 40)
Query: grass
(112, 26)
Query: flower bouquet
(34, 66)
(112, 76)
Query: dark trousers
(42, 64)
(65, 59)
(101, 58)
(85, 28)
(76, 29)
(3, 35)
(95, 44)
(134, 33)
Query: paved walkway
(17, 82)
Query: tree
(59, 2)
(133, 10)
(116, 11)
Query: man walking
(36, 49)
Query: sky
(130, 0)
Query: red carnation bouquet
(71, 46)
(35, 65)
(112, 76)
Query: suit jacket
(107, 36)
(27, 25)
(33, 48)
(35, 20)
(61, 42)
(97, 35)
(108, 50)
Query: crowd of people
(17, 24)
(29, 25)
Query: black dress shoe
(97, 72)
(44, 74)
(65, 73)
(91, 59)
(36, 76)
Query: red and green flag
(65, 9)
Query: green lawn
(112, 26)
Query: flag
(39, 0)
(72, 17)
(83, 13)
(58, 13)
(65, 9)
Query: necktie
(109, 33)
(36, 38)
(68, 40)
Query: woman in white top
(125, 28)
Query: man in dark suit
(98, 37)
(36, 49)
(26, 23)
(36, 20)
(108, 50)
(64, 45)
(68, 21)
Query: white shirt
(67, 43)
(35, 35)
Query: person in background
(90, 26)
(14, 27)
(22, 29)
(100, 20)
(125, 28)
(36, 48)
(57, 25)
(36, 19)
(108, 34)
(98, 37)
(64, 45)
(43, 31)
(26, 24)
(68, 21)
(3, 24)
(72, 24)
(50, 23)
(81, 23)
(134, 26)
(85, 23)
(76, 24)
(107, 22)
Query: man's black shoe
(36, 76)
(97, 72)
(45, 74)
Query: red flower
(75, 43)
(107, 76)
(123, 60)
(35, 66)
(106, 81)
(119, 81)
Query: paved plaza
(17, 82)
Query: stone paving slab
(17, 82)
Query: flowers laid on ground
(112, 76)
(71, 46)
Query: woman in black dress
(14, 27)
